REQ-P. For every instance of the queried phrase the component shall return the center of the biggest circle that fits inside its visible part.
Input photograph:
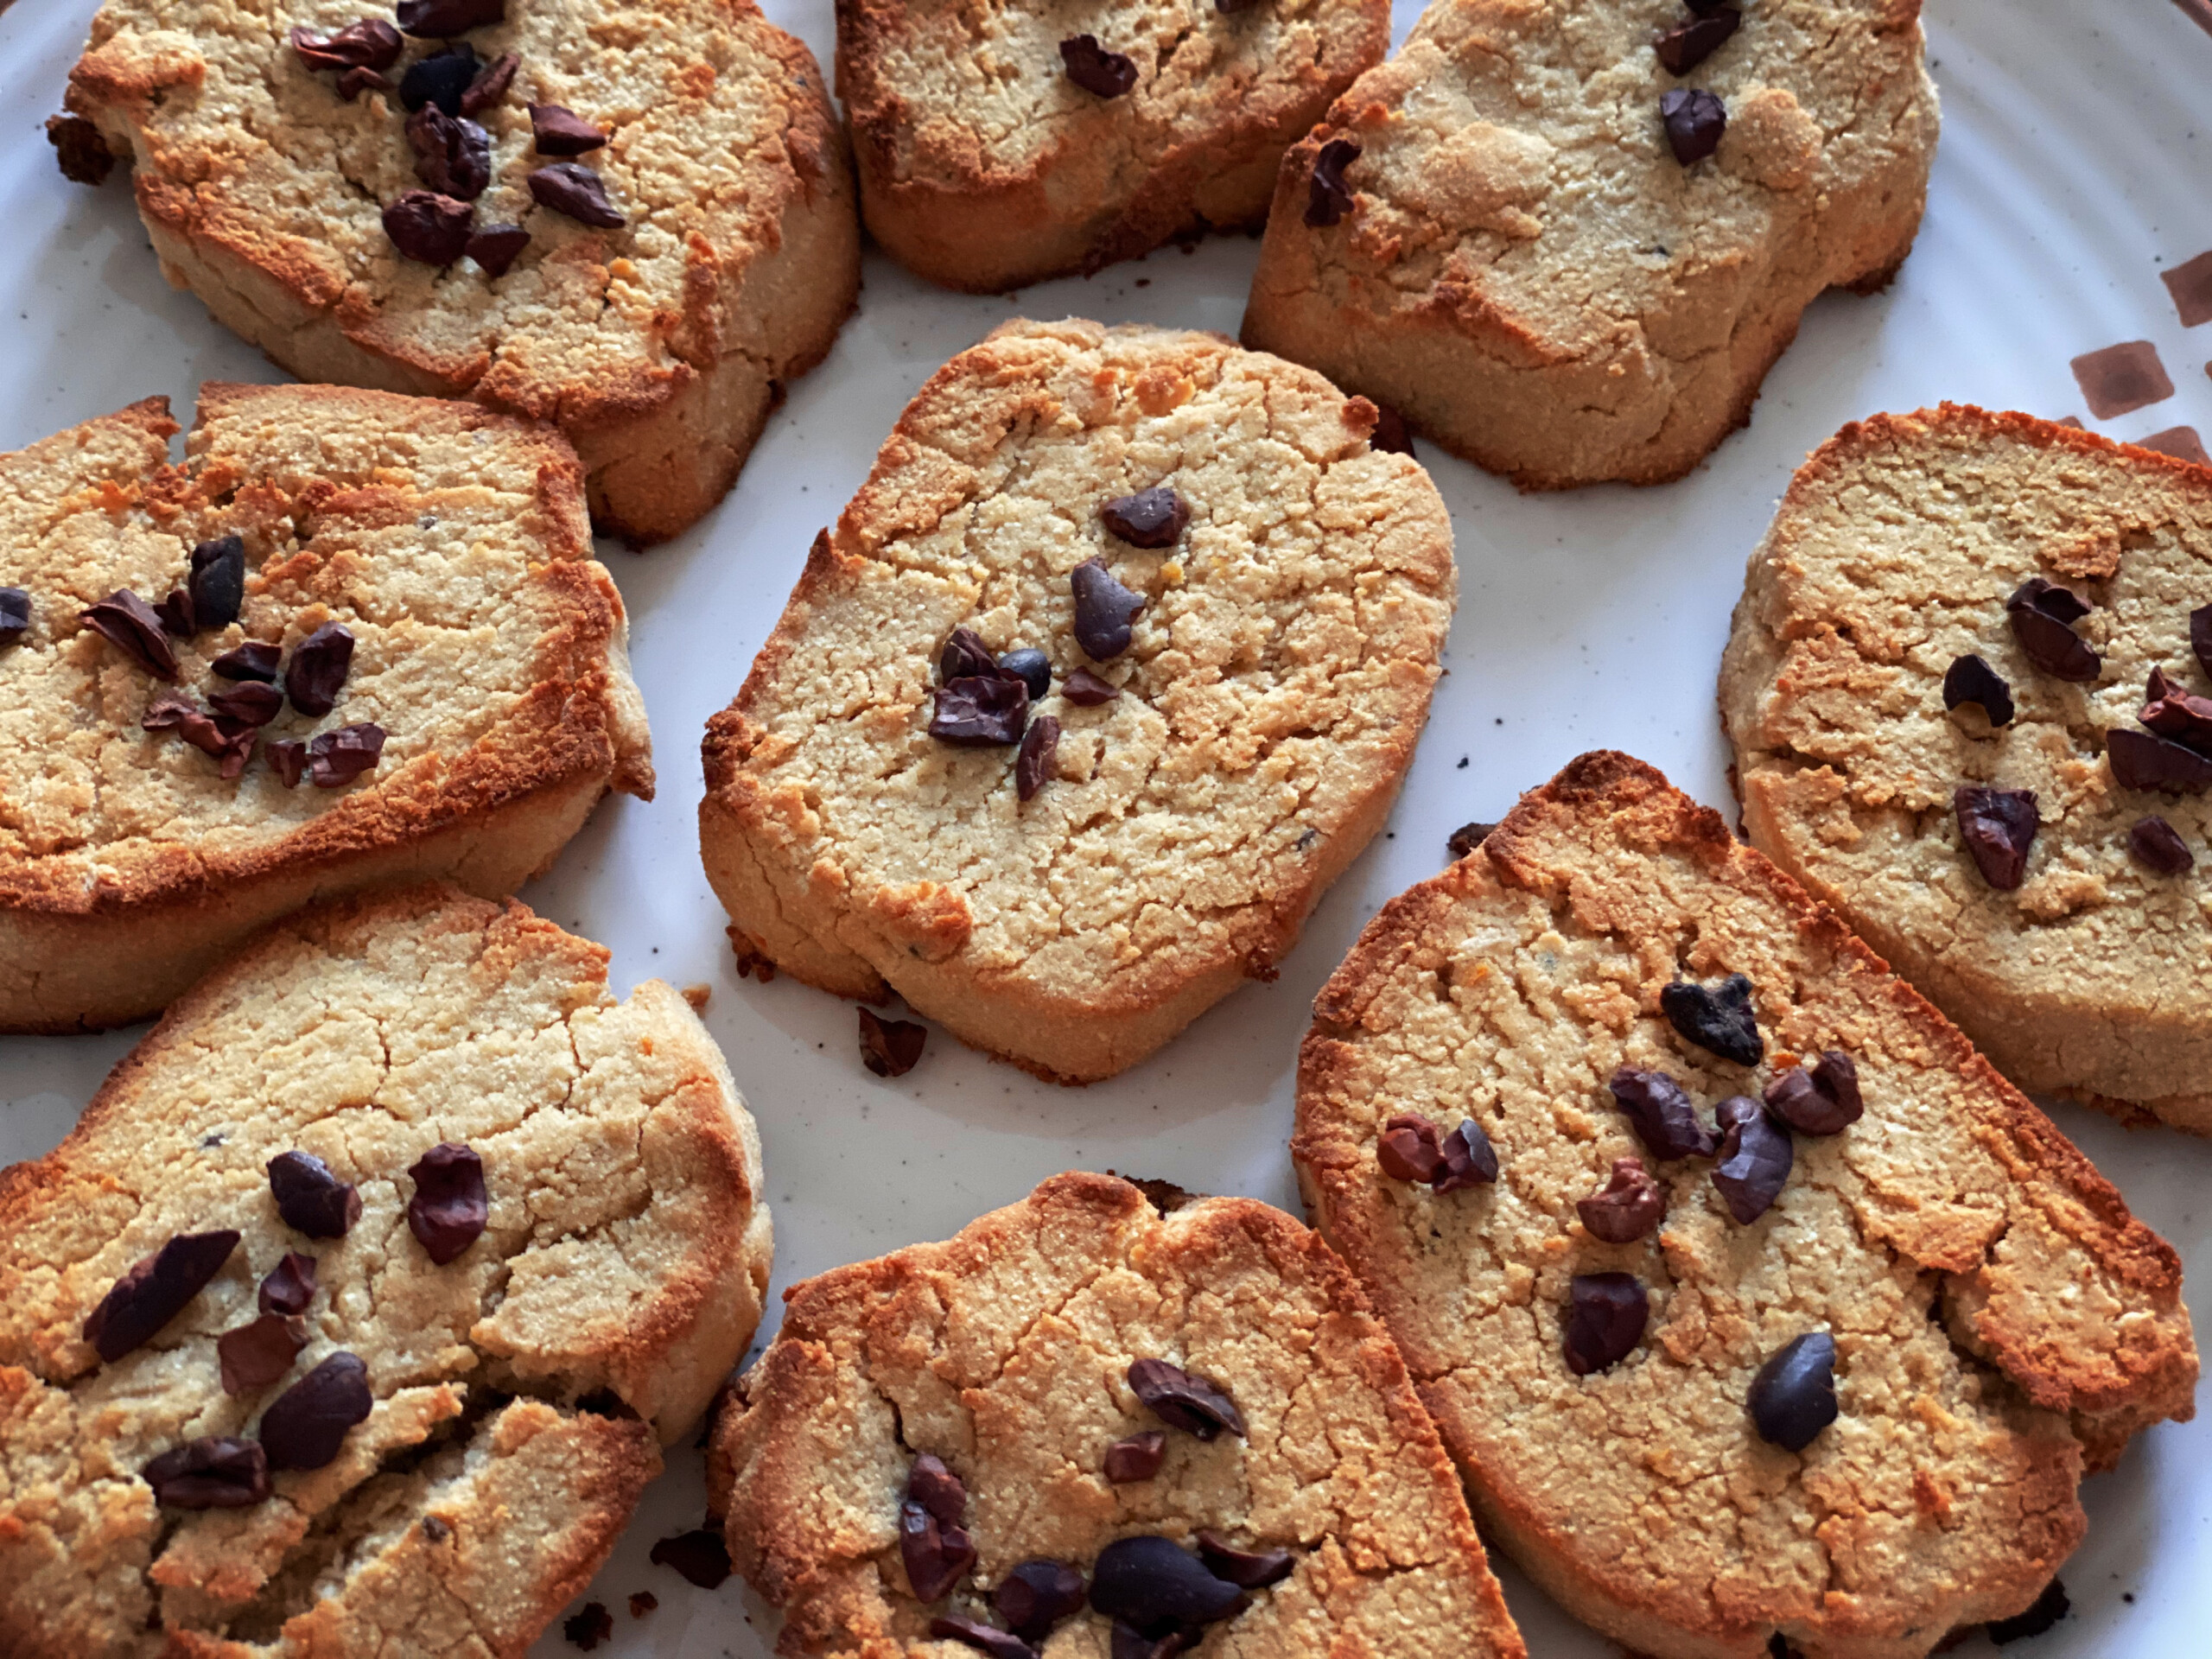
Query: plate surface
(2070, 172)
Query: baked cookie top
(1906, 546)
(1006, 1355)
(1998, 1322)
(536, 1241)
(1296, 585)
(487, 647)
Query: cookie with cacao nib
(1114, 663)
(356, 1311)
(1099, 1421)
(352, 638)
(1969, 690)
(1771, 1316)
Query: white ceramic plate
(2076, 146)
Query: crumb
(696, 995)
(642, 1603)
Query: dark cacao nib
(1662, 1113)
(217, 583)
(1031, 667)
(1969, 679)
(215, 1473)
(1153, 1582)
(700, 1555)
(890, 1047)
(2158, 846)
(1037, 1595)
(2049, 1607)
(938, 1489)
(572, 189)
(1792, 1396)
(1182, 1400)
(2200, 637)
(1091, 67)
(253, 702)
(309, 1198)
(1466, 838)
(965, 657)
(1694, 119)
(442, 78)
(1606, 1316)
(168, 710)
(317, 671)
(1410, 1149)
(2040, 593)
(1823, 1101)
(2173, 712)
(1469, 1158)
(491, 85)
(557, 131)
(254, 1356)
(175, 614)
(937, 1556)
(2142, 761)
(1154, 518)
(999, 1644)
(1328, 196)
(1129, 1642)
(1717, 1017)
(428, 228)
(977, 711)
(440, 20)
(155, 1291)
(1137, 1457)
(289, 1287)
(449, 1208)
(252, 661)
(287, 758)
(1248, 1569)
(1756, 1156)
(2043, 616)
(354, 82)
(14, 614)
(1998, 826)
(1683, 48)
(1391, 435)
(306, 1425)
(370, 44)
(453, 155)
(1629, 1205)
(1103, 611)
(589, 1625)
(1086, 690)
(496, 247)
(1040, 751)
(337, 758)
(128, 623)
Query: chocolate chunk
(1328, 196)
(453, 155)
(14, 614)
(937, 1489)
(2049, 1607)
(428, 228)
(890, 1047)
(1823, 1101)
(287, 758)
(1091, 67)
(1182, 1400)
(1694, 120)
(251, 703)
(1756, 1156)
(965, 657)
(1466, 838)
(217, 583)
(2043, 616)
(2178, 714)
(1682, 49)
(1969, 679)
(1155, 1582)
(1248, 1569)
(440, 20)
(1086, 690)
(1103, 611)
(496, 247)
(78, 150)
(1154, 518)
(1040, 749)
(1137, 1457)
(999, 1644)
(317, 671)
(977, 711)
(2120, 379)
(1410, 1149)
(1662, 1113)
(155, 1291)
(1037, 1595)
(306, 1425)
(491, 85)
(572, 189)
(1390, 435)
(2200, 637)
(1130, 1642)
(590, 1626)
(1998, 826)
(449, 1208)
(700, 1555)
(937, 1556)
(2158, 846)
(1469, 1158)
(337, 758)
(442, 78)
(557, 131)
(254, 1356)
(354, 82)
(2139, 760)
(290, 1286)
(1717, 1017)
(220, 1472)
(370, 44)
(1031, 667)
(128, 623)
(1792, 1396)
(1629, 1205)
(1606, 1315)
(252, 661)
(310, 1198)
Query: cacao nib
(217, 584)
(1153, 518)
(1792, 1396)
(931, 1484)
(2200, 637)
(1091, 67)
(78, 150)
(287, 758)
(428, 228)
(453, 155)
(1137, 1458)
(1662, 1113)
(1694, 120)
(1182, 1400)
(1031, 667)
(978, 712)
(1086, 690)
(557, 131)
(156, 1290)
(1248, 1569)
(1683, 48)
(253, 702)
(2142, 761)
(965, 657)
(1040, 749)
(1410, 1149)
(254, 1356)
(1129, 1642)
(936, 1555)
(215, 1473)
(370, 44)
(496, 247)
(309, 1198)
(1153, 1582)
(2158, 846)
(336, 757)
(890, 1047)
(589, 1625)
(14, 614)
(2043, 616)
(999, 1644)
(1466, 838)
(128, 623)
(490, 86)
(1328, 197)
(1969, 679)
(449, 1208)
(1628, 1206)
(175, 614)
(289, 1287)
(572, 189)
(700, 1555)
(317, 671)
(354, 82)
(440, 20)
(2175, 713)
(1998, 826)
(442, 78)
(1717, 1017)
(252, 661)
(306, 1425)
(1037, 1595)
(1606, 1315)
(1823, 1101)
(1103, 611)
(1755, 1157)
(1469, 1158)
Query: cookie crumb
(642, 1603)
(590, 1627)
(696, 995)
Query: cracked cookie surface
(1276, 679)
(2001, 1323)
(657, 347)
(521, 1391)
(984, 166)
(1527, 275)
(490, 646)
(1891, 556)
(1004, 1351)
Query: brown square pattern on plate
(2122, 378)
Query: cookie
(1758, 1309)
(1086, 1425)
(1954, 611)
(352, 638)
(637, 224)
(1002, 146)
(355, 1311)
(1502, 235)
